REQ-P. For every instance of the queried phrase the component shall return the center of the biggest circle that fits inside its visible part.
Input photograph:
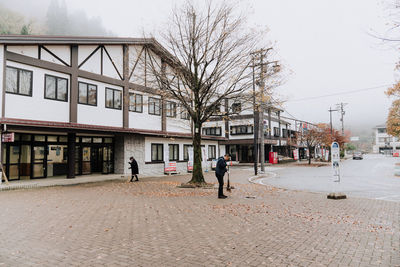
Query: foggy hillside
(29, 17)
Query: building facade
(79, 105)
(384, 142)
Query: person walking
(134, 168)
(220, 171)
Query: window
(18, 81)
(87, 94)
(217, 109)
(284, 133)
(212, 152)
(154, 106)
(184, 113)
(381, 130)
(157, 152)
(186, 152)
(55, 88)
(241, 129)
(173, 152)
(171, 109)
(236, 107)
(276, 132)
(136, 103)
(113, 98)
(216, 131)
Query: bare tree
(311, 138)
(210, 62)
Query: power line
(340, 93)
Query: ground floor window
(173, 152)
(40, 156)
(157, 151)
(186, 152)
(212, 152)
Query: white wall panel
(145, 120)
(116, 53)
(61, 51)
(37, 107)
(1, 72)
(26, 50)
(93, 64)
(99, 115)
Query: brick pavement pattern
(154, 223)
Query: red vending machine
(273, 157)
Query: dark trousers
(134, 175)
(221, 184)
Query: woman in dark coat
(134, 168)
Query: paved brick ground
(153, 223)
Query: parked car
(357, 155)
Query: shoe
(223, 197)
(137, 180)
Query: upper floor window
(87, 94)
(154, 106)
(217, 109)
(136, 102)
(277, 133)
(113, 98)
(236, 107)
(284, 133)
(381, 130)
(55, 88)
(241, 129)
(184, 113)
(171, 109)
(19, 81)
(216, 131)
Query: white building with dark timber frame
(78, 105)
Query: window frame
(277, 132)
(56, 89)
(211, 157)
(154, 103)
(113, 100)
(186, 155)
(87, 94)
(241, 129)
(184, 113)
(162, 154)
(238, 105)
(171, 109)
(18, 81)
(208, 131)
(141, 103)
(174, 146)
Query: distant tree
(393, 120)
(211, 49)
(25, 30)
(311, 138)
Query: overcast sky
(324, 42)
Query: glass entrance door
(39, 162)
(97, 159)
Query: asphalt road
(372, 177)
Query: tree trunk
(197, 175)
(309, 155)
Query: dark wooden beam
(3, 92)
(73, 103)
(125, 102)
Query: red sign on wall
(7, 137)
(170, 167)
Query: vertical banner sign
(296, 154)
(204, 156)
(335, 157)
(190, 160)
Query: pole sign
(296, 154)
(7, 137)
(335, 157)
(190, 160)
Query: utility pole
(342, 113)
(259, 121)
(256, 124)
(330, 120)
